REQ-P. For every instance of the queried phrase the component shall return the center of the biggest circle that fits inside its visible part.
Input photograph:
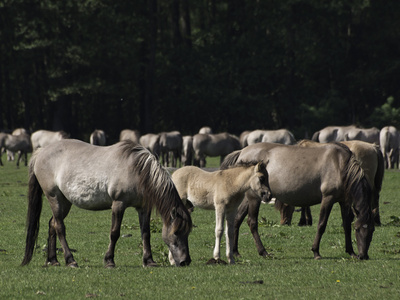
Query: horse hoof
(110, 265)
(150, 264)
(73, 265)
(317, 257)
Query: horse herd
(342, 165)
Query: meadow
(289, 273)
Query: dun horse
(308, 176)
(98, 178)
(16, 143)
(221, 191)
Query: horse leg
(52, 245)
(60, 207)
(240, 215)
(325, 211)
(219, 229)
(347, 219)
(286, 214)
(252, 221)
(230, 218)
(19, 158)
(144, 220)
(306, 217)
(118, 209)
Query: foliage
(158, 65)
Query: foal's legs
(230, 217)
(219, 230)
(326, 207)
(144, 220)
(118, 209)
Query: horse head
(260, 182)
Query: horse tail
(315, 136)
(358, 191)
(34, 210)
(230, 159)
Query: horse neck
(242, 179)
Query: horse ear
(173, 213)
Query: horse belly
(88, 194)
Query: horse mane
(156, 186)
(230, 160)
(357, 190)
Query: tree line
(233, 65)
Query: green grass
(291, 272)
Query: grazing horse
(280, 136)
(99, 178)
(171, 142)
(42, 138)
(18, 131)
(372, 163)
(98, 137)
(332, 134)
(128, 134)
(220, 144)
(222, 191)
(151, 141)
(187, 150)
(390, 143)
(307, 176)
(16, 143)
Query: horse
(187, 150)
(151, 141)
(369, 135)
(42, 138)
(171, 142)
(222, 191)
(18, 131)
(98, 178)
(206, 130)
(16, 143)
(331, 134)
(301, 176)
(220, 144)
(128, 134)
(98, 137)
(371, 161)
(390, 142)
(280, 136)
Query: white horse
(98, 137)
(16, 143)
(42, 138)
(222, 191)
(151, 141)
(18, 131)
(280, 136)
(187, 150)
(332, 134)
(369, 135)
(171, 143)
(390, 142)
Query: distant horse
(369, 135)
(128, 134)
(42, 138)
(171, 143)
(18, 131)
(390, 143)
(206, 130)
(98, 137)
(332, 134)
(16, 143)
(243, 138)
(113, 177)
(187, 150)
(220, 144)
(221, 191)
(371, 161)
(307, 176)
(151, 141)
(280, 136)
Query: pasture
(290, 272)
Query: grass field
(290, 273)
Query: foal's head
(260, 182)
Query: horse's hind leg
(118, 209)
(52, 245)
(144, 220)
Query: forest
(233, 65)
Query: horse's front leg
(326, 207)
(230, 220)
(144, 220)
(118, 209)
(219, 230)
(347, 219)
(240, 215)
